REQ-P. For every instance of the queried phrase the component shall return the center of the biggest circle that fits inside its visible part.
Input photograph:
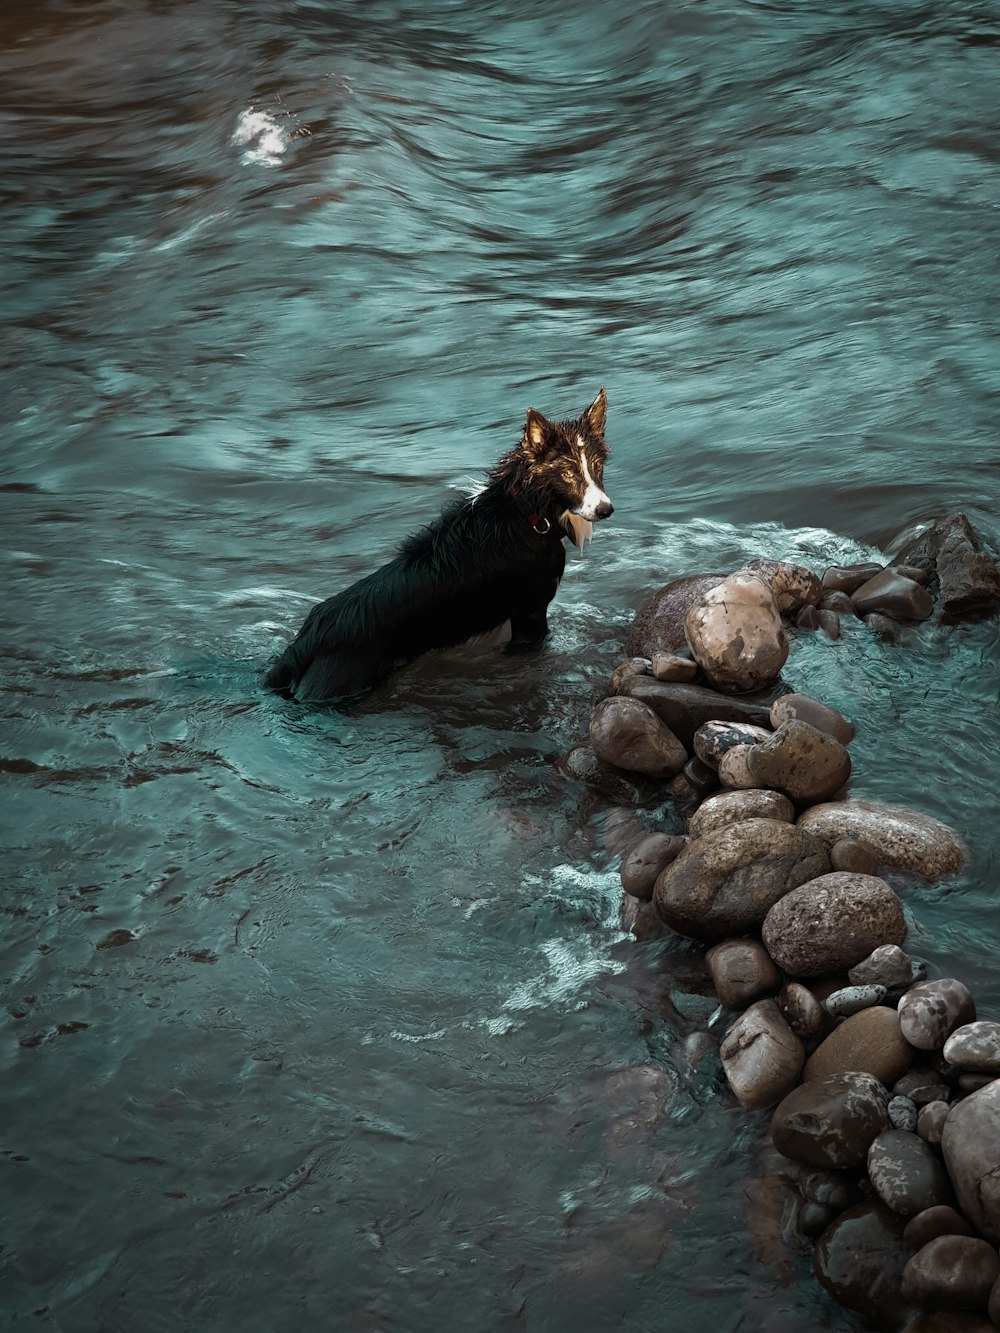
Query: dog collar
(539, 523)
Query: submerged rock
(965, 580)
(725, 882)
(903, 839)
(736, 634)
(860, 1259)
(623, 788)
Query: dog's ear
(596, 415)
(536, 434)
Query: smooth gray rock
(903, 1114)
(930, 1012)
(940, 1220)
(804, 763)
(848, 578)
(800, 708)
(736, 635)
(903, 839)
(852, 999)
(970, 1145)
(951, 1273)
(831, 1122)
(851, 854)
(905, 1174)
(724, 882)
(627, 733)
(761, 1056)
(974, 1047)
(931, 1120)
(829, 924)
(647, 860)
(733, 807)
(885, 966)
(741, 972)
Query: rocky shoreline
(882, 1085)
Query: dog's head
(566, 460)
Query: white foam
(265, 140)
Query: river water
(322, 1021)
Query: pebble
(903, 839)
(802, 1011)
(837, 603)
(906, 1174)
(869, 1041)
(807, 618)
(627, 733)
(731, 807)
(885, 966)
(930, 1012)
(741, 972)
(831, 1122)
(829, 622)
(903, 1113)
(930, 1122)
(671, 666)
(803, 762)
(713, 739)
(941, 1220)
(632, 666)
(921, 1086)
(952, 1273)
(832, 922)
(647, 860)
(860, 1258)
(799, 707)
(852, 999)
(761, 1056)
(974, 1047)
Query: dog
(494, 556)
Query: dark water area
(321, 1021)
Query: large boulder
(869, 1041)
(658, 626)
(962, 577)
(725, 882)
(906, 1174)
(736, 635)
(860, 1260)
(733, 807)
(892, 594)
(792, 586)
(903, 839)
(826, 925)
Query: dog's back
(486, 560)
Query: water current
(314, 1021)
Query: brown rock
(930, 1012)
(684, 708)
(829, 622)
(734, 769)
(736, 636)
(761, 1056)
(800, 708)
(848, 578)
(658, 626)
(671, 666)
(792, 586)
(951, 1273)
(901, 838)
(623, 788)
(831, 1122)
(632, 666)
(860, 1259)
(839, 603)
(647, 860)
(971, 1148)
(741, 972)
(829, 924)
(889, 594)
(869, 1041)
(963, 577)
(806, 764)
(938, 1220)
(802, 1011)
(852, 854)
(627, 733)
(732, 807)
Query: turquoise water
(316, 1021)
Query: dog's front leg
(528, 628)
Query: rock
(850, 854)
(830, 923)
(829, 622)
(852, 999)
(627, 733)
(860, 1258)
(658, 626)
(800, 708)
(951, 1273)
(953, 1321)
(761, 1056)
(802, 1011)
(905, 1173)
(836, 1189)
(736, 635)
(973, 1082)
(974, 1047)
(684, 708)
(806, 764)
(930, 1122)
(870, 1041)
(831, 1122)
(901, 838)
(884, 626)
(970, 1145)
(703, 779)
(792, 586)
(807, 618)
(963, 577)
(724, 882)
(903, 1114)
(848, 578)
(930, 1012)
(913, 572)
(939, 1220)
(639, 918)
(646, 860)
(713, 739)
(671, 666)
(732, 807)
(741, 972)
(889, 594)
(885, 966)
(734, 769)
(632, 666)
(623, 788)
(922, 1085)
(839, 603)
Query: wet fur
(489, 558)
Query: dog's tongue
(579, 530)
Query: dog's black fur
(494, 557)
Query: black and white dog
(494, 557)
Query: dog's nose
(604, 510)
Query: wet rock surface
(869, 1041)
(800, 708)
(903, 839)
(627, 733)
(831, 923)
(806, 764)
(906, 1174)
(951, 1273)
(713, 739)
(733, 807)
(831, 1122)
(761, 1056)
(685, 708)
(647, 859)
(860, 1260)
(970, 1145)
(891, 594)
(736, 635)
(975, 1046)
(741, 972)
(930, 1012)
(658, 626)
